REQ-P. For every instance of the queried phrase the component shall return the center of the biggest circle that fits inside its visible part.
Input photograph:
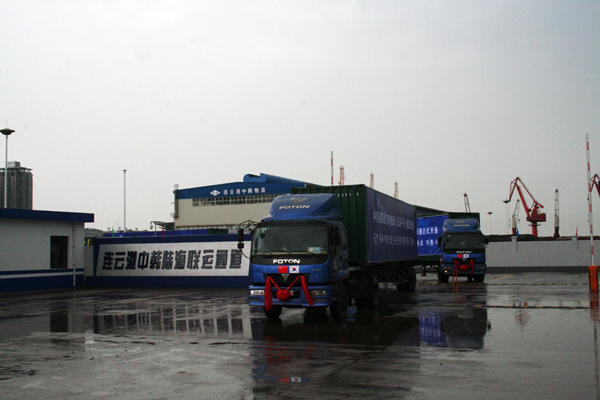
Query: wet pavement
(516, 336)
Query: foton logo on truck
(293, 207)
(285, 261)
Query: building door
(59, 251)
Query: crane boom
(534, 216)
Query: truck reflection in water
(367, 351)
(460, 322)
(460, 329)
(366, 328)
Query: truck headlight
(257, 292)
(317, 293)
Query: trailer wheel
(273, 313)
(339, 307)
(371, 300)
(410, 284)
(413, 281)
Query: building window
(219, 201)
(59, 251)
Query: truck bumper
(322, 296)
(448, 269)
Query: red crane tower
(534, 216)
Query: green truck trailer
(381, 234)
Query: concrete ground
(516, 336)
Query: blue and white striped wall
(25, 237)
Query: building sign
(235, 189)
(184, 258)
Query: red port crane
(595, 182)
(534, 216)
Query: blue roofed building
(226, 205)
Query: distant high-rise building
(19, 187)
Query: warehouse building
(227, 205)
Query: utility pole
(6, 132)
(124, 200)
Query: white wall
(230, 214)
(554, 253)
(25, 244)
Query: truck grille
(284, 284)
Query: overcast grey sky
(444, 97)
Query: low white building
(41, 250)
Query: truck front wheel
(339, 307)
(371, 300)
(273, 313)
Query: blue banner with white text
(391, 228)
(428, 231)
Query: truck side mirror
(240, 239)
(439, 241)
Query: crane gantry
(534, 215)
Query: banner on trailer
(391, 224)
(428, 231)
(206, 258)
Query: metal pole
(6, 132)
(507, 216)
(332, 168)
(73, 252)
(6, 174)
(490, 213)
(124, 200)
(590, 187)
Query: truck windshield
(464, 241)
(286, 239)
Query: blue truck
(326, 246)
(462, 250)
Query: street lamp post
(507, 215)
(490, 214)
(6, 132)
(124, 200)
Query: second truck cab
(463, 250)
